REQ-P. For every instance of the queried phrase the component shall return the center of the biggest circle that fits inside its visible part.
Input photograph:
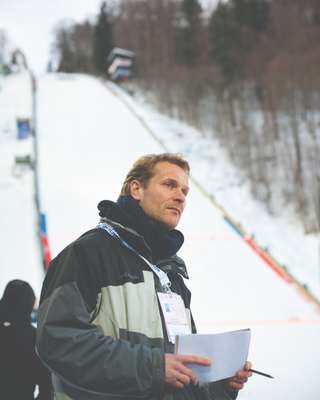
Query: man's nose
(180, 196)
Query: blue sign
(43, 223)
(24, 128)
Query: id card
(175, 315)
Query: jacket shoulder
(87, 244)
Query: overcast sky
(29, 23)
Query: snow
(89, 135)
(20, 253)
(282, 235)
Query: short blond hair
(143, 169)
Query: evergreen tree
(253, 14)
(102, 38)
(234, 29)
(63, 46)
(188, 38)
(72, 48)
(224, 40)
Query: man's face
(164, 197)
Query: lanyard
(163, 277)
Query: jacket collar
(175, 264)
(149, 238)
(131, 237)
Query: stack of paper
(227, 351)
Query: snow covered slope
(88, 140)
(281, 235)
(20, 257)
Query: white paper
(227, 351)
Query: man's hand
(177, 374)
(237, 382)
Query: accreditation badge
(175, 315)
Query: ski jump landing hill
(88, 139)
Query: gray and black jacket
(100, 328)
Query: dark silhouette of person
(20, 368)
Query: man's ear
(136, 189)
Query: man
(103, 330)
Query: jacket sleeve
(218, 391)
(76, 350)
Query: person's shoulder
(92, 243)
(94, 237)
(91, 235)
(21, 330)
(88, 245)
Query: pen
(260, 373)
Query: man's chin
(170, 223)
(166, 223)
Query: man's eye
(169, 184)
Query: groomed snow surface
(88, 138)
(20, 257)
